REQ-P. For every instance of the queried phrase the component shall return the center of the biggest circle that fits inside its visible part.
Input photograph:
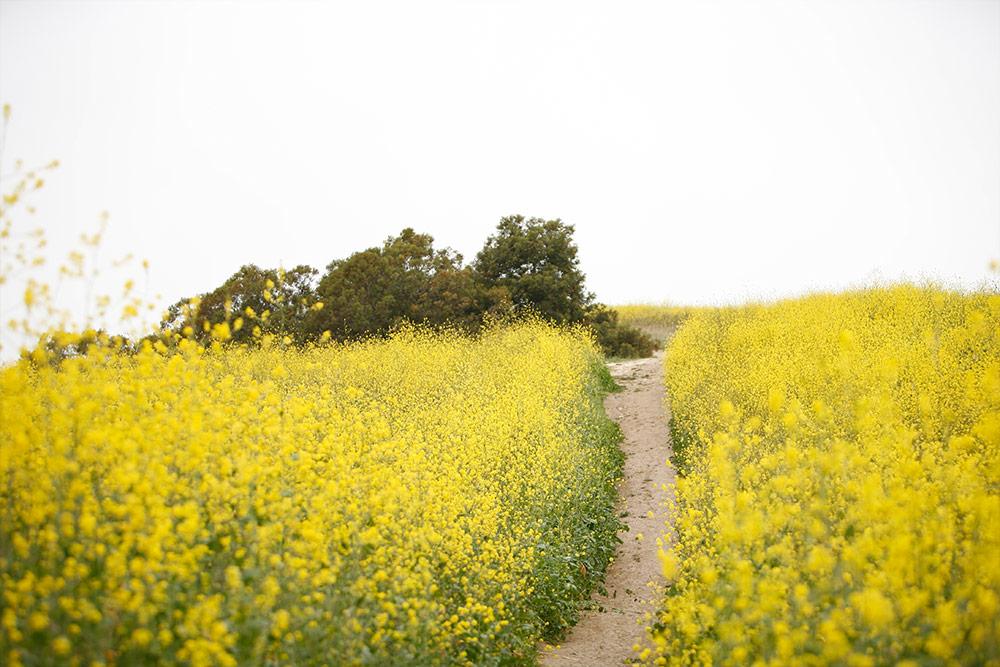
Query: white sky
(706, 152)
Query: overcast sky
(706, 152)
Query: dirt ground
(605, 635)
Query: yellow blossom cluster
(424, 499)
(840, 492)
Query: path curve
(605, 635)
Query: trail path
(605, 635)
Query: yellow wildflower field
(840, 492)
(425, 499)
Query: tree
(536, 262)
(276, 301)
(528, 264)
(405, 279)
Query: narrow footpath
(605, 635)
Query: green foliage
(590, 523)
(535, 260)
(605, 380)
(617, 339)
(60, 346)
(375, 290)
(278, 300)
(529, 265)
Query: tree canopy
(270, 300)
(536, 262)
(405, 279)
(526, 265)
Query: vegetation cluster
(240, 487)
(840, 492)
(529, 266)
(427, 498)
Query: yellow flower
(866, 521)
(141, 636)
(193, 496)
(61, 645)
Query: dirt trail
(605, 635)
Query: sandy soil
(605, 635)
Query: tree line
(526, 265)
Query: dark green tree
(278, 300)
(536, 262)
(529, 264)
(405, 279)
